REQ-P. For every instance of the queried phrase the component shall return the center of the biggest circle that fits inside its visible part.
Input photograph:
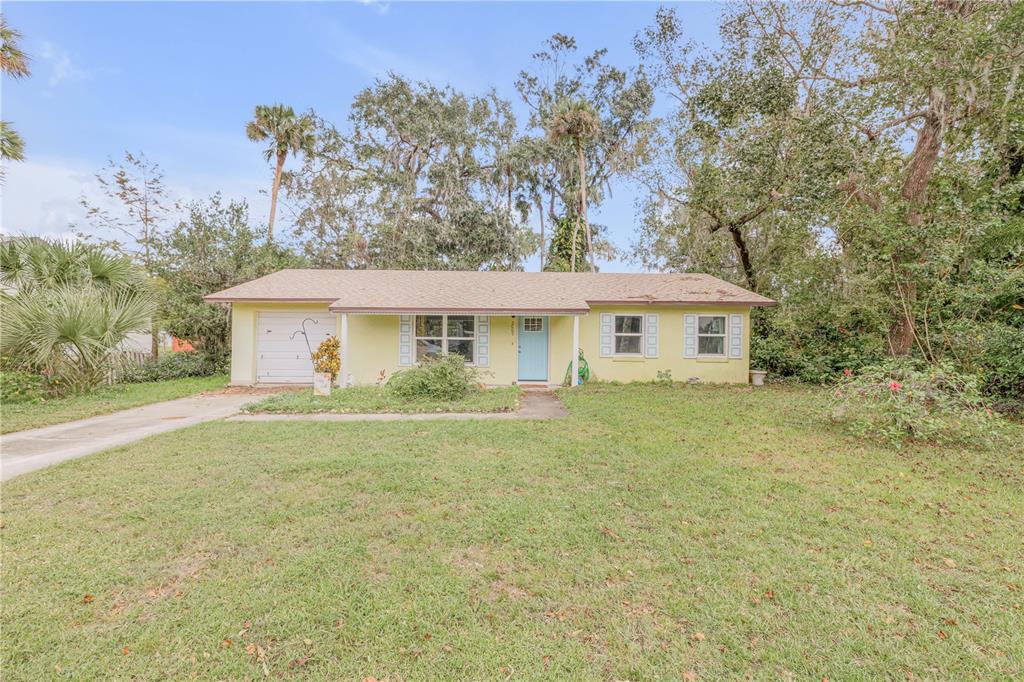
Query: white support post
(344, 350)
(575, 351)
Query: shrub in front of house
(20, 387)
(172, 366)
(900, 401)
(447, 378)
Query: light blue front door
(533, 348)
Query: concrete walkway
(24, 451)
(535, 404)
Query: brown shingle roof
(384, 291)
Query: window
(711, 335)
(438, 335)
(628, 334)
(533, 324)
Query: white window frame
(526, 320)
(724, 336)
(445, 337)
(639, 335)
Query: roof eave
(420, 310)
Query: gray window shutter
(735, 336)
(405, 354)
(607, 328)
(651, 335)
(483, 341)
(689, 336)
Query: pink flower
(847, 372)
(895, 385)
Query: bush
(447, 378)
(326, 357)
(20, 387)
(173, 366)
(901, 402)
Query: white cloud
(377, 5)
(62, 69)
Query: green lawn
(656, 532)
(366, 399)
(20, 416)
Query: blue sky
(179, 80)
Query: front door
(533, 348)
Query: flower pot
(321, 383)
(757, 377)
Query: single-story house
(517, 327)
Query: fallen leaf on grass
(125, 651)
(769, 595)
(942, 634)
(225, 643)
(612, 534)
(88, 599)
(697, 636)
(298, 662)
(949, 562)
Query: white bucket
(757, 377)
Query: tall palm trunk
(583, 202)
(540, 212)
(273, 196)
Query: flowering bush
(326, 357)
(900, 402)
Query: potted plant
(326, 365)
(757, 376)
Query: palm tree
(287, 133)
(66, 309)
(576, 121)
(13, 63)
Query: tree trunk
(744, 253)
(583, 203)
(273, 197)
(915, 188)
(540, 212)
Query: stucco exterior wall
(670, 348)
(373, 346)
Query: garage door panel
(282, 353)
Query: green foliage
(418, 179)
(173, 366)
(67, 310)
(214, 247)
(446, 378)
(901, 401)
(20, 387)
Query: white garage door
(282, 356)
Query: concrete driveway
(25, 451)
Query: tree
(914, 81)
(620, 100)
(13, 63)
(576, 121)
(67, 308)
(137, 204)
(744, 163)
(214, 247)
(786, 165)
(419, 179)
(287, 133)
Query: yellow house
(516, 327)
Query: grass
(656, 533)
(32, 415)
(367, 399)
